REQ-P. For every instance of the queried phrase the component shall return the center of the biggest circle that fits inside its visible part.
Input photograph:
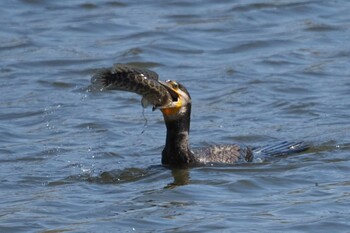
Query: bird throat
(176, 151)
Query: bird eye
(175, 85)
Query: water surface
(259, 72)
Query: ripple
(258, 72)
(12, 43)
(112, 177)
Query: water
(72, 160)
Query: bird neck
(176, 151)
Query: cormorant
(174, 101)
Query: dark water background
(72, 160)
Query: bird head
(181, 100)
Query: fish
(133, 79)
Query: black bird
(174, 101)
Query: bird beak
(173, 93)
(175, 103)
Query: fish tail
(100, 78)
